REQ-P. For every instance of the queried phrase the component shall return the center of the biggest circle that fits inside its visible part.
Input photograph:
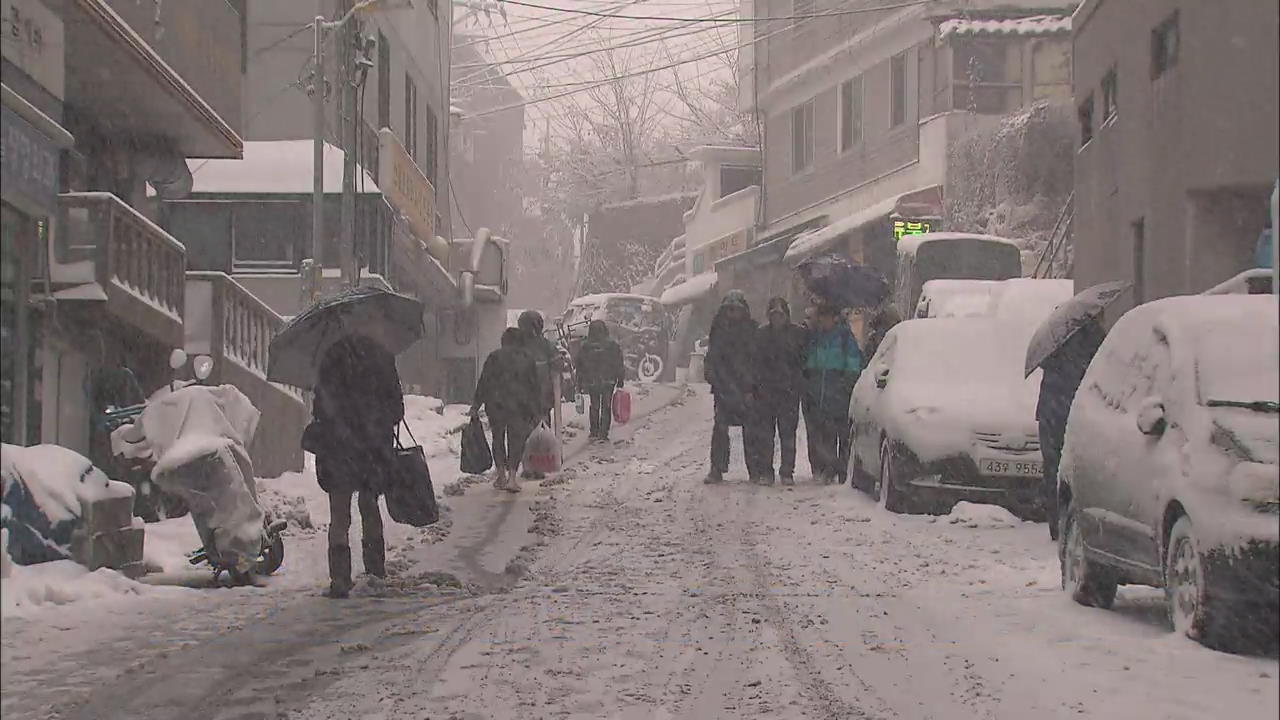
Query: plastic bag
(621, 406)
(541, 451)
(476, 455)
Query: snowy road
(653, 596)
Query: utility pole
(347, 76)
(311, 268)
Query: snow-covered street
(626, 588)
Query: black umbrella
(837, 281)
(390, 319)
(1069, 317)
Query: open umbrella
(1069, 317)
(390, 319)
(837, 281)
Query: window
(802, 138)
(1110, 87)
(1165, 42)
(1139, 260)
(262, 235)
(1085, 115)
(410, 117)
(898, 86)
(850, 113)
(429, 161)
(800, 8)
(987, 75)
(384, 82)
(737, 177)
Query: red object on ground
(621, 406)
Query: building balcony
(107, 251)
(234, 327)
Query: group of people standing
(764, 377)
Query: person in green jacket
(833, 362)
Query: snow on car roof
(910, 244)
(965, 348)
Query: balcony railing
(239, 325)
(138, 265)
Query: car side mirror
(882, 377)
(1151, 417)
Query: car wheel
(888, 493)
(857, 479)
(1184, 583)
(1088, 583)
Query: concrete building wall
(1171, 192)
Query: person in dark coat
(509, 391)
(730, 372)
(779, 375)
(880, 321)
(833, 362)
(358, 404)
(547, 360)
(600, 370)
(1063, 371)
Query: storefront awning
(693, 289)
(816, 241)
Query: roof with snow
(694, 288)
(281, 167)
(1033, 26)
(909, 244)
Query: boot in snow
(788, 480)
(339, 571)
(714, 477)
(375, 557)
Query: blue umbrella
(390, 319)
(838, 281)
(1069, 317)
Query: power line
(833, 13)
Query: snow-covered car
(1169, 473)
(955, 298)
(943, 413)
(1029, 299)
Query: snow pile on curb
(34, 587)
(977, 515)
(435, 425)
(58, 478)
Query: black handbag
(476, 455)
(411, 498)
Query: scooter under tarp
(197, 438)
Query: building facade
(1177, 159)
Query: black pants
(828, 443)
(724, 419)
(776, 413)
(510, 431)
(601, 410)
(371, 541)
(1051, 449)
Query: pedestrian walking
(546, 360)
(833, 361)
(880, 320)
(779, 375)
(1063, 372)
(729, 370)
(600, 371)
(509, 392)
(358, 404)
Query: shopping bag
(541, 451)
(621, 406)
(411, 498)
(476, 456)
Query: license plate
(1009, 468)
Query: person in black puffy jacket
(508, 389)
(730, 372)
(600, 370)
(779, 378)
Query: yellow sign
(405, 187)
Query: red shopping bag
(621, 406)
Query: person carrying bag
(411, 498)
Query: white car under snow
(943, 413)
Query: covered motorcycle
(197, 438)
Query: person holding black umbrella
(833, 362)
(358, 404)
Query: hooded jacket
(508, 383)
(730, 365)
(599, 359)
(543, 353)
(833, 362)
(779, 355)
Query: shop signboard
(405, 187)
(28, 163)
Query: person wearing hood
(730, 372)
(779, 375)
(546, 360)
(600, 370)
(833, 362)
(1063, 372)
(508, 389)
